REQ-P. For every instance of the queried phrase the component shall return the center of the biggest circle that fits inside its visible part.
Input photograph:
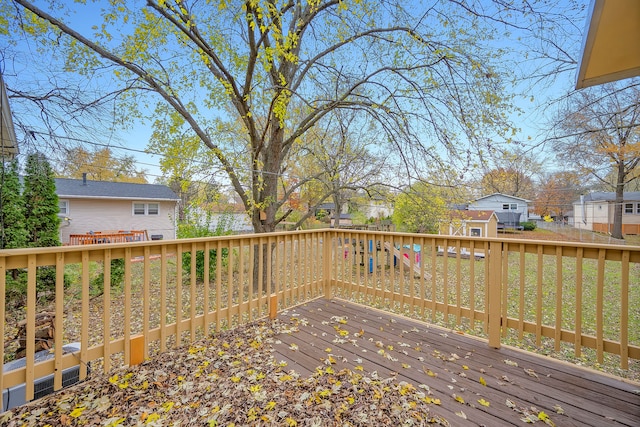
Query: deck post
(326, 263)
(273, 306)
(495, 291)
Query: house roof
(77, 188)
(465, 215)
(8, 141)
(497, 196)
(609, 196)
(610, 48)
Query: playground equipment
(406, 254)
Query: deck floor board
(361, 338)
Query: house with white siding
(88, 206)
(502, 203)
(594, 212)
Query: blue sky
(533, 120)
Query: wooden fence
(506, 290)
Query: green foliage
(12, 221)
(196, 227)
(420, 209)
(117, 278)
(100, 165)
(45, 283)
(41, 203)
(529, 225)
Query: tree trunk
(616, 233)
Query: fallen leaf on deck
(483, 402)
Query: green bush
(17, 283)
(529, 225)
(117, 278)
(202, 228)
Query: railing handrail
(306, 264)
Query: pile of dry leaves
(232, 379)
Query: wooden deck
(518, 383)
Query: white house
(93, 206)
(499, 202)
(594, 212)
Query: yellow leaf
(484, 402)
(482, 381)
(77, 412)
(458, 399)
(545, 418)
(429, 372)
(465, 367)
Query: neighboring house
(470, 223)
(502, 203)
(594, 212)
(8, 141)
(92, 206)
(376, 207)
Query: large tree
(12, 223)
(41, 203)
(100, 165)
(420, 208)
(430, 74)
(599, 133)
(556, 193)
(337, 159)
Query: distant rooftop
(78, 188)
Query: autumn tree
(99, 165)
(514, 176)
(556, 193)
(420, 208)
(339, 159)
(599, 134)
(430, 76)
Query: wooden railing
(541, 293)
(97, 237)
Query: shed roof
(78, 188)
(466, 215)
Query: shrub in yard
(117, 278)
(202, 227)
(528, 225)
(45, 283)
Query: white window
(476, 232)
(638, 208)
(146, 208)
(509, 206)
(64, 207)
(628, 208)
